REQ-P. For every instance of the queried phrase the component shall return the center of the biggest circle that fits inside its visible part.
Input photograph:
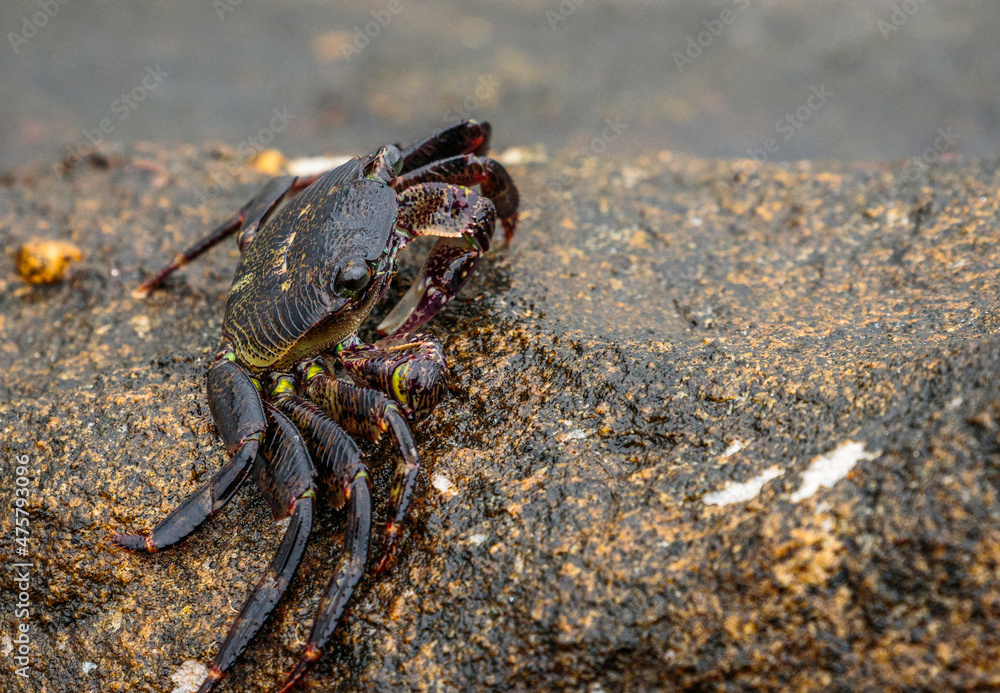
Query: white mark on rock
(733, 448)
(631, 176)
(575, 434)
(8, 645)
(311, 165)
(477, 539)
(740, 493)
(444, 485)
(954, 404)
(827, 470)
(189, 676)
(88, 667)
(518, 155)
(141, 325)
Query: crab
(310, 271)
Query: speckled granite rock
(660, 333)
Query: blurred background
(769, 79)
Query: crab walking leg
(345, 479)
(466, 137)
(410, 369)
(284, 474)
(196, 508)
(369, 413)
(341, 587)
(247, 221)
(336, 457)
(239, 416)
(266, 594)
(468, 170)
(464, 220)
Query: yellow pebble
(270, 161)
(44, 262)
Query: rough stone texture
(648, 316)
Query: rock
(270, 162)
(811, 348)
(42, 261)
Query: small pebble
(270, 161)
(42, 261)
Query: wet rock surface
(712, 425)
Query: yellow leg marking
(399, 386)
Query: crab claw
(448, 268)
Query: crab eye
(354, 277)
(385, 165)
(395, 159)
